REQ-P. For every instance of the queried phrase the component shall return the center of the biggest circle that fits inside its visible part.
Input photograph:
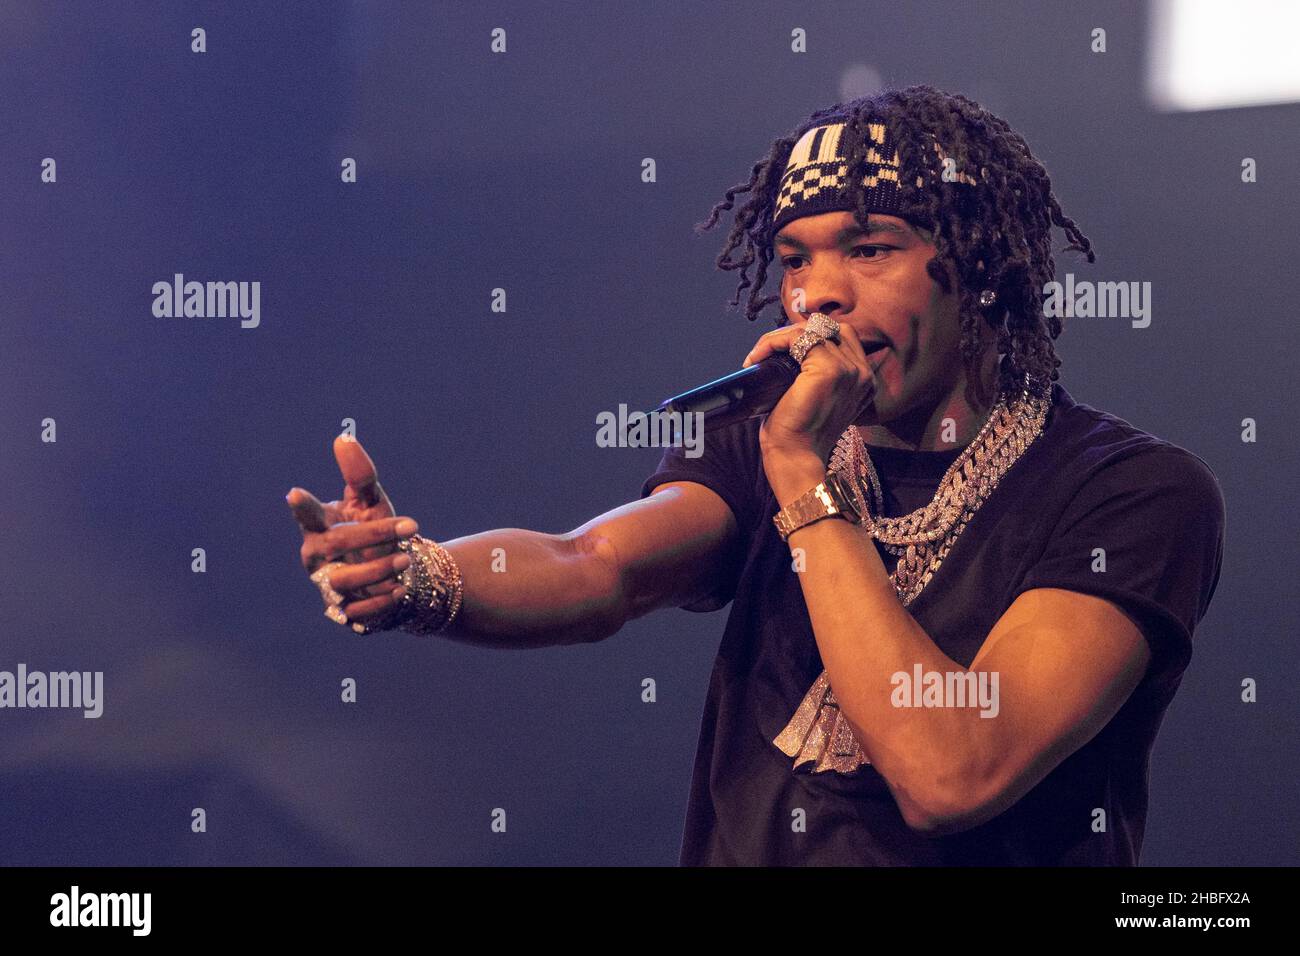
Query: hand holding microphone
(803, 401)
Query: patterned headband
(814, 178)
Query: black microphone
(742, 395)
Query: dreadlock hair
(995, 235)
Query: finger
(358, 535)
(778, 340)
(853, 345)
(372, 607)
(342, 539)
(380, 572)
(307, 511)
(359, 472)
(853, 352)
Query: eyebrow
(844, 235)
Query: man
(972, 667)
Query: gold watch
(830, 499)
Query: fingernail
(406, 526)
(398, 593)
(401, 562)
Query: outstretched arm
(527, 588)
(583, 586)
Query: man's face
(876, 283)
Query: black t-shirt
(1090, 480)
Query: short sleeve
(727, 462)
(1159, 517)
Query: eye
(875, 249)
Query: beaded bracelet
(433, 587)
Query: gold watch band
(829, 499)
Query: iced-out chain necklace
(818, 731)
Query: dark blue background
(521, 171)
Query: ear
(943, 273)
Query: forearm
(930, 756)
(525, 589)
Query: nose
(825, 308)
(825, 289)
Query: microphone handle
(742, 395)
